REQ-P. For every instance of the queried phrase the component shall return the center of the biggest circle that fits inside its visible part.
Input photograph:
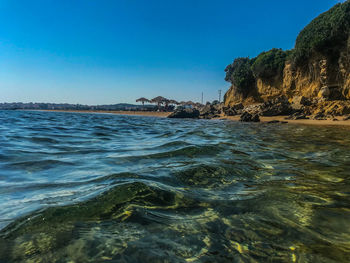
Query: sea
(84, 187)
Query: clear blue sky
(103, 52)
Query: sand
(340, 121)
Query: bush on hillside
(325, 33)
(239, 73)
(270, 64)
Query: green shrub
(325, 33)
(269, 64)
(239, 73)
(243, 72)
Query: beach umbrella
(143, 100)
(159, 100)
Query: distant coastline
(160, 114)
(75, 107)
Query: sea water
(109, 188)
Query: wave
(43, 140)
(38, 165)
(94, 188)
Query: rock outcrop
(236, 109)
(277, 106)
(185, 114)
(247, 117)
(320, 80)
(210, 111)
(314, 84)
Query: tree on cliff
(243, 72)
(324, 34)
(270, 64)
(239, 73)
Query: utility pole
(219, 95)
(202, 97)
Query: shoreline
(263, 119)
(159, 114)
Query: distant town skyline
(107, 52)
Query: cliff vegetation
(318, 68)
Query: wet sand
(340, 121)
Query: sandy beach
(327, 122)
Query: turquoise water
(107, 188)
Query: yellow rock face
(307, 81)
(269, 89)
(231, 97)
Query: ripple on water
(95, 187)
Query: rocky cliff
(317, 69)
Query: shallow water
(108, 188)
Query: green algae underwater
(107, 188)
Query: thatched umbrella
(159, 100)
(143, 100)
